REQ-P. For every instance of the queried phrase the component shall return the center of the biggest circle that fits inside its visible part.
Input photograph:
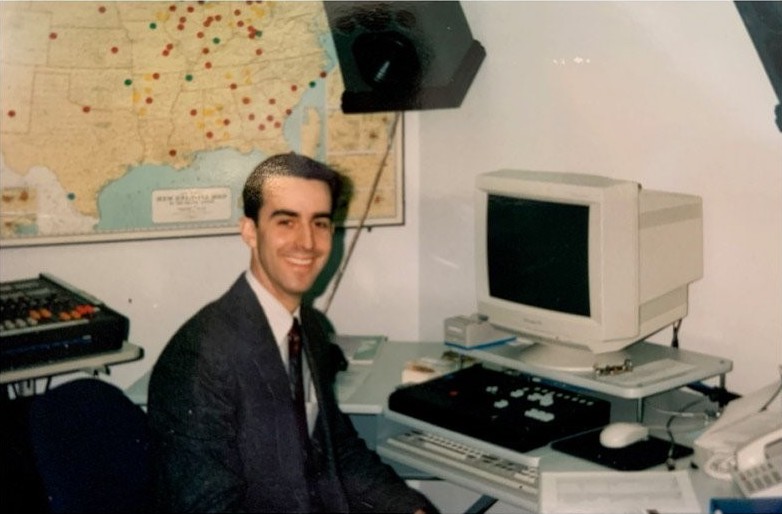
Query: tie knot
(294, 338)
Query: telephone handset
(758, 471)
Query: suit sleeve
(197, 466)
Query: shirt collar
(280, 319)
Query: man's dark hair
(288, 165)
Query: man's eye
(324, 224)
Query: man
(221, 408)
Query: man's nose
(306, 236)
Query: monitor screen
(537, 253)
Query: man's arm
(197, 466)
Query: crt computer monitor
(583, 265)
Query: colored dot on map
(258, 51)
(71, 196)
(269, 118)
(240, 24)
(204, 51)
(172, 8)
(288, 112)
(261, 127)
(208, 65)
(190, 8)
(11, 113)
(246, 100)
(189, 77)
(172, 152)
(53, 35)
(128, 82)
(251, 117)
(114, 49)
(102, 9)
(149, 100)
(153, 25)
(233, 85)
(86, 109)
(272, 101)
(294, 87)
(156, 75)
(226, 122)
(216, 40)
(209, 135)
(199, 35)
(277, 124)
(193, 112)
(181, 26)
(323, 74)
(237, 12)
(313, 84)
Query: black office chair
(90, 443)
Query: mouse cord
(670, 462)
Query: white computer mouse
(621, 434)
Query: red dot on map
(259, 51)
(277, 124)
(165, 53)
(233, 85)
(181, 26)
(209, 135)
(199, 34)
(149, 100)
(237, 12)
(269, 118)
(193, 112)
(240, 24)
(172, 8)
(53, 35)
(170, 46)
(246, 100)
(190, 8)
(323, 74)
(218, 17)
(208, 65)
(86, 109)
(182, 19)
(204, 51)
(102, 9)
(172, 152)
(288, 112)
(251, 117)
(114, 49)
(261, 127)
(156, 75)
(226, 122)
(272, 101)
(11, 113)
(294, 87)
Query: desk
(377, 381)
(93, 364)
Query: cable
(670, 462)
(676, 326)
(363, 219)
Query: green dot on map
(153, 25)
(313, 83)
(128, 82)
(189, 77)
(258, 33)
(216, 40)
(71, 196)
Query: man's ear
(248, 231)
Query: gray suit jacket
(224, 427)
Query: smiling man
(233, 426)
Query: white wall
(671, 94)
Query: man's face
(292, 241)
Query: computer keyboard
(451, 453)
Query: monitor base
(575, 360)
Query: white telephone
(758, 471)
(745, 444)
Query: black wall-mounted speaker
(764, 24)
(399, 56)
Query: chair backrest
(91, 448)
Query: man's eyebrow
(295, 214)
